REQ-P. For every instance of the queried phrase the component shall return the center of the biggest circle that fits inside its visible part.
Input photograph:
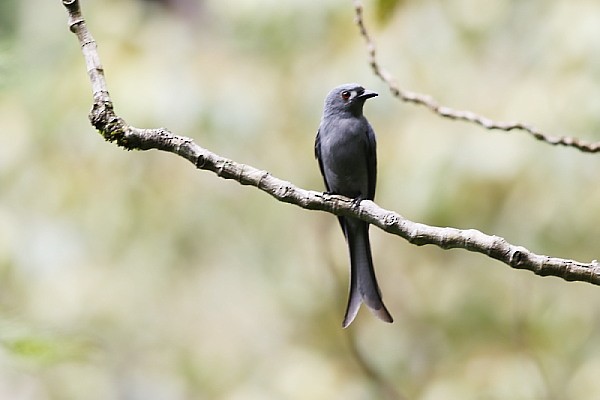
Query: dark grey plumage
(345, 148)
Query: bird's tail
(363, 284)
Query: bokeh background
(132, 275)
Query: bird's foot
(356, 201)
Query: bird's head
(347, 98)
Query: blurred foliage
(130, 275)
(8, 18)
(46, 350)
(385, 9)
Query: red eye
(345, 95)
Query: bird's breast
(345, 157)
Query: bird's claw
(356, 201)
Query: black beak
(367, 94)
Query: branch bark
(461, 115)
(114, 129)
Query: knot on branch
(516, 260)
(200, 161)
(112, 127)
(391, 219)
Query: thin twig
(115, 129)
(462, 115)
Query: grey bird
(345, 148)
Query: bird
(345, 148)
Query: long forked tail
(363, 284)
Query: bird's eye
(345, 95)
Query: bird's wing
(318, 157)
(371, 161)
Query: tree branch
(114, 129)
(461, 115)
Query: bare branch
(462, 115)
(115, 129)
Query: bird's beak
(367, 94)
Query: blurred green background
(131, 275)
